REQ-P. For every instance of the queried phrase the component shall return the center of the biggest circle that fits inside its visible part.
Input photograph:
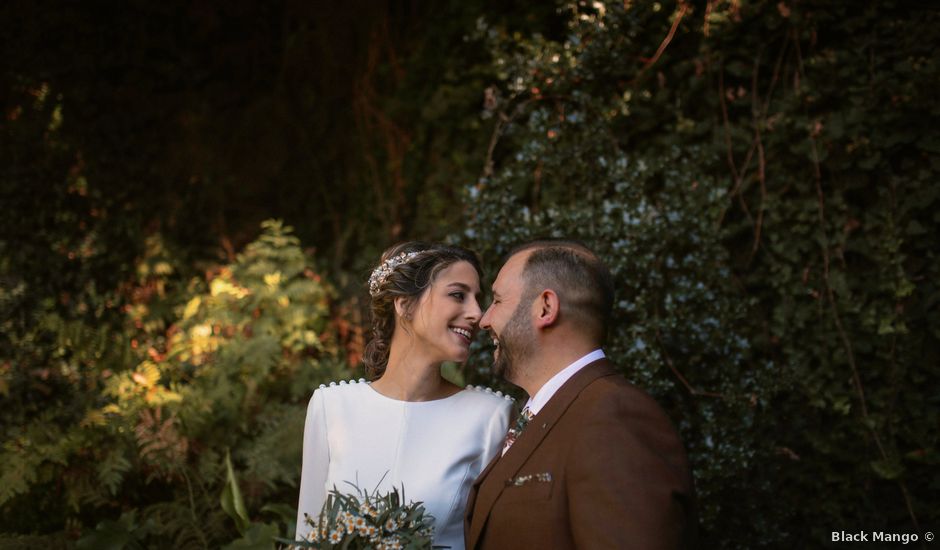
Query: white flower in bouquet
(362, 520)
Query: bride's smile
(446, 318)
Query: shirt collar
(541, 397)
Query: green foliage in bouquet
(361, 520)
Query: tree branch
(680, 13)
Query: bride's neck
(407, 383)
(408, 377)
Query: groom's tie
(516, 429)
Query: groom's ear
(546, 309)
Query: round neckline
(392, 399)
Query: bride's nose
(473, 312)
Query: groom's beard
(515, 343)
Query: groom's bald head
(580, 279)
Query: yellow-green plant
(229, 366)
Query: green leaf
(284, 512)
(915, 228)
(192, 307)
(259, 536)
(905, 289)
(887, 469)
(886, 326)
(115, 535)
(109, 535)
(232, 501)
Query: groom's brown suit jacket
(600, 466)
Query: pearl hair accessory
(377, 279)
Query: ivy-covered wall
(762, 179)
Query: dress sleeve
(316, 461)
(496, 431)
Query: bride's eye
(458, 295)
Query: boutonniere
(519, 481)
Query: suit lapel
(492, 481)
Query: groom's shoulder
(612, 389)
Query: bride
(408, 427)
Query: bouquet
(369, 520)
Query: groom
(592, 462)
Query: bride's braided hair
(407, 269)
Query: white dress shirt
(541, 397)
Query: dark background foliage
(761, 179)
(760, 176)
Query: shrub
(230, 366)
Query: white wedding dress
(435, 449)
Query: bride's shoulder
(341, 383)
(341, 387)
(487, 396)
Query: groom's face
(507, 319)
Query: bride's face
(447, 315)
